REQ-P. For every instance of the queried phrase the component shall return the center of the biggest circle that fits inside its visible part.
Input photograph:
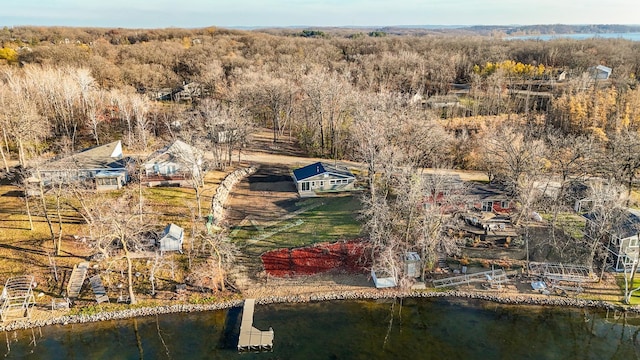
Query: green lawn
(572, 224)
(635, 298)
(328, 219)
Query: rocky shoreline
(349, 295)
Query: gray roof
(173, 232)
(628, 222)
(178, 150)
(107, 157)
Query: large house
(103, 165)
(321, 177)
(623, 239)
(175, 164)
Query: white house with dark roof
(321, 177)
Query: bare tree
(631, 261)
(621, 159)
(20, 118)
(327, 97)
(212, 271)
(115, 230)
(224, 128)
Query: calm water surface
(411, 329)
(629, 36)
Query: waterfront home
(622, 239)
(104, 166)
(174, 165)
(490, 198)
(321, 177)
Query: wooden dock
(77, 279)
(252, 339)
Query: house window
(332, 182)
(628, 260)
(313, 184)
(487, 206)
(305, 186)
(633, 242)
(321, 183)
(504, 204)
(344, 181)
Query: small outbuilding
(600, 72)
(320, 177)
(412, 264)
(172, 238)
(382, 281)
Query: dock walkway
(252, 339)
(495, 278)
(77, 279)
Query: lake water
(408, 329)
(628, 36)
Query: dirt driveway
(266, 195)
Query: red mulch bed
(350, 256)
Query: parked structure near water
(17, 297)
(252, 339)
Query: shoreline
(523, 300)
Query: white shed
(172, 238)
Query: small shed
(412, 265)
(381, 281)
(600, 72)
(172, 238)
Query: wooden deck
(252, 339)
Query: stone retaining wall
(222, 192)
(348, 295)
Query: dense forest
(520, 110)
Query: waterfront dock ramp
(494, 278)
(76, 280)
(252, 339)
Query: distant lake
(419, 329)
(634, 36)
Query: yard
(25, 251)
(635, 298)
(265, 213)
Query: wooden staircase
(98, 289)
(77, 279)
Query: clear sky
(261, 13)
